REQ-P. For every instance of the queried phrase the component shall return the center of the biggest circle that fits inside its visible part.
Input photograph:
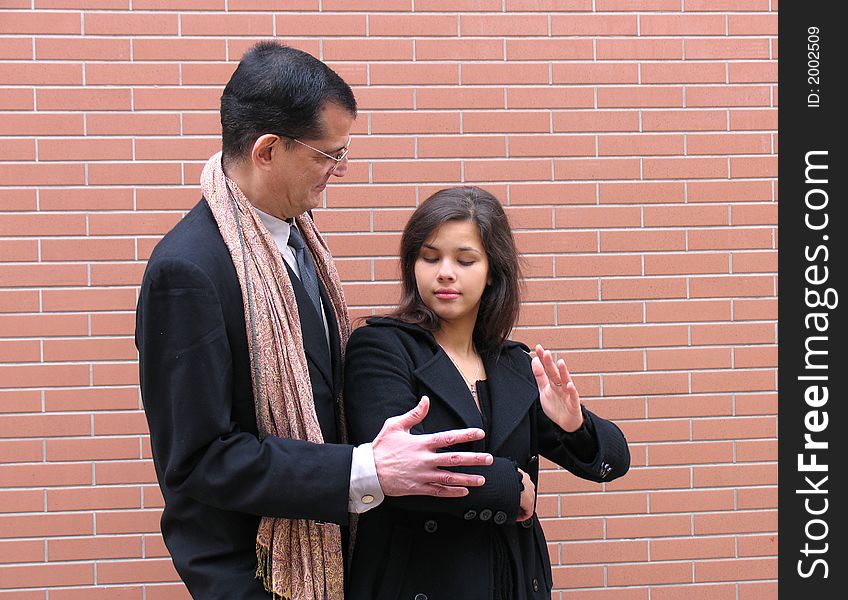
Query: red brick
(507, 121)
(16, 99)
(686, 216)
(17, 150)
(17, 551)
(694, 72)
(752, 24)
(507, 170)
(81, 199)
(641, 192)
(755, 357)
(174, 98)
(103, 374)
(45, 525)
(133, 124)
(594, 25)
(595, 121)
(595, 169)
(695, 592)
(611, 551)
(387, 98)
(648, 526)
(734, 48)
(578, 577)
(749, 498)
(135, 521)
(649, 383)
(668, 25)
(59, 149)
(133, 23)
(416, 171)
(685, 168)
(556, 338)
(752, 72)
(93, 548)
(114, 324)
(419, 122)
(48, 575)
(639, 48)
(132, 74)
(85, 48)
(736, 570)
(729, 191)
(368, 49)
(92, 498)
(757, 590)
(120, 423)
(182, 49)
(16, 22)
(605, 504)
(322, 25)
(598, 266)
(686, 501)
(639, 289)
(16, 48)
(91, 399)
(755, 166)
(752, 119)
(414, 74)
(690, 405)
(735, 238)
(733, 333)
(657, 431)
(740, 427)
(12, 351)
(684, 120)
(505, 73)
(754, 214)
(640, 145)
(728, 96)
(224, 24)
(653, 573)
(591, 73)
(758, 545)
(689, 358)
(13, 376)
(548, 48)
(503, 25)
(550, 97)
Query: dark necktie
(308, 277)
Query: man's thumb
(416, 415)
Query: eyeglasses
(338, 158)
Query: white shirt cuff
(365, 491)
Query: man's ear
(263, 150)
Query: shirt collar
(279, 228)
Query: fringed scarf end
(264, 572)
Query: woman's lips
(447, 295)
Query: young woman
(448, 341)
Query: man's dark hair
(501, 299)
(281, 90)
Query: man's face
(298, 175)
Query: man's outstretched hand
(409, 464)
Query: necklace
(472, 385)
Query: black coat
(441, 549)
(216, 476)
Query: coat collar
(512, 392)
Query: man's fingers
(455, 436)
(443, 491)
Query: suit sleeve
(186, 372)
(379, 385)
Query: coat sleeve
(186, 372)
(610, 461)
(378, 385)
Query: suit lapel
(512, 397)
(441, 377)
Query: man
(241, 325)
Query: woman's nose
(446, 271)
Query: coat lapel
(441, 377)
(512, 396)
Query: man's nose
(341, 168)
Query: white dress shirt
(364, 492)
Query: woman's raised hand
(559, 396)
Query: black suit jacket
(442, 548)
(216, 476)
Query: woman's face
(452, 271)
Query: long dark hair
(501, 299)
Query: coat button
(485, 514)
(528, 523)
(470, 514)
(430, 526)
(535, 585)
(420, 596)
(500, 517)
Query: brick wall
(634, 143)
